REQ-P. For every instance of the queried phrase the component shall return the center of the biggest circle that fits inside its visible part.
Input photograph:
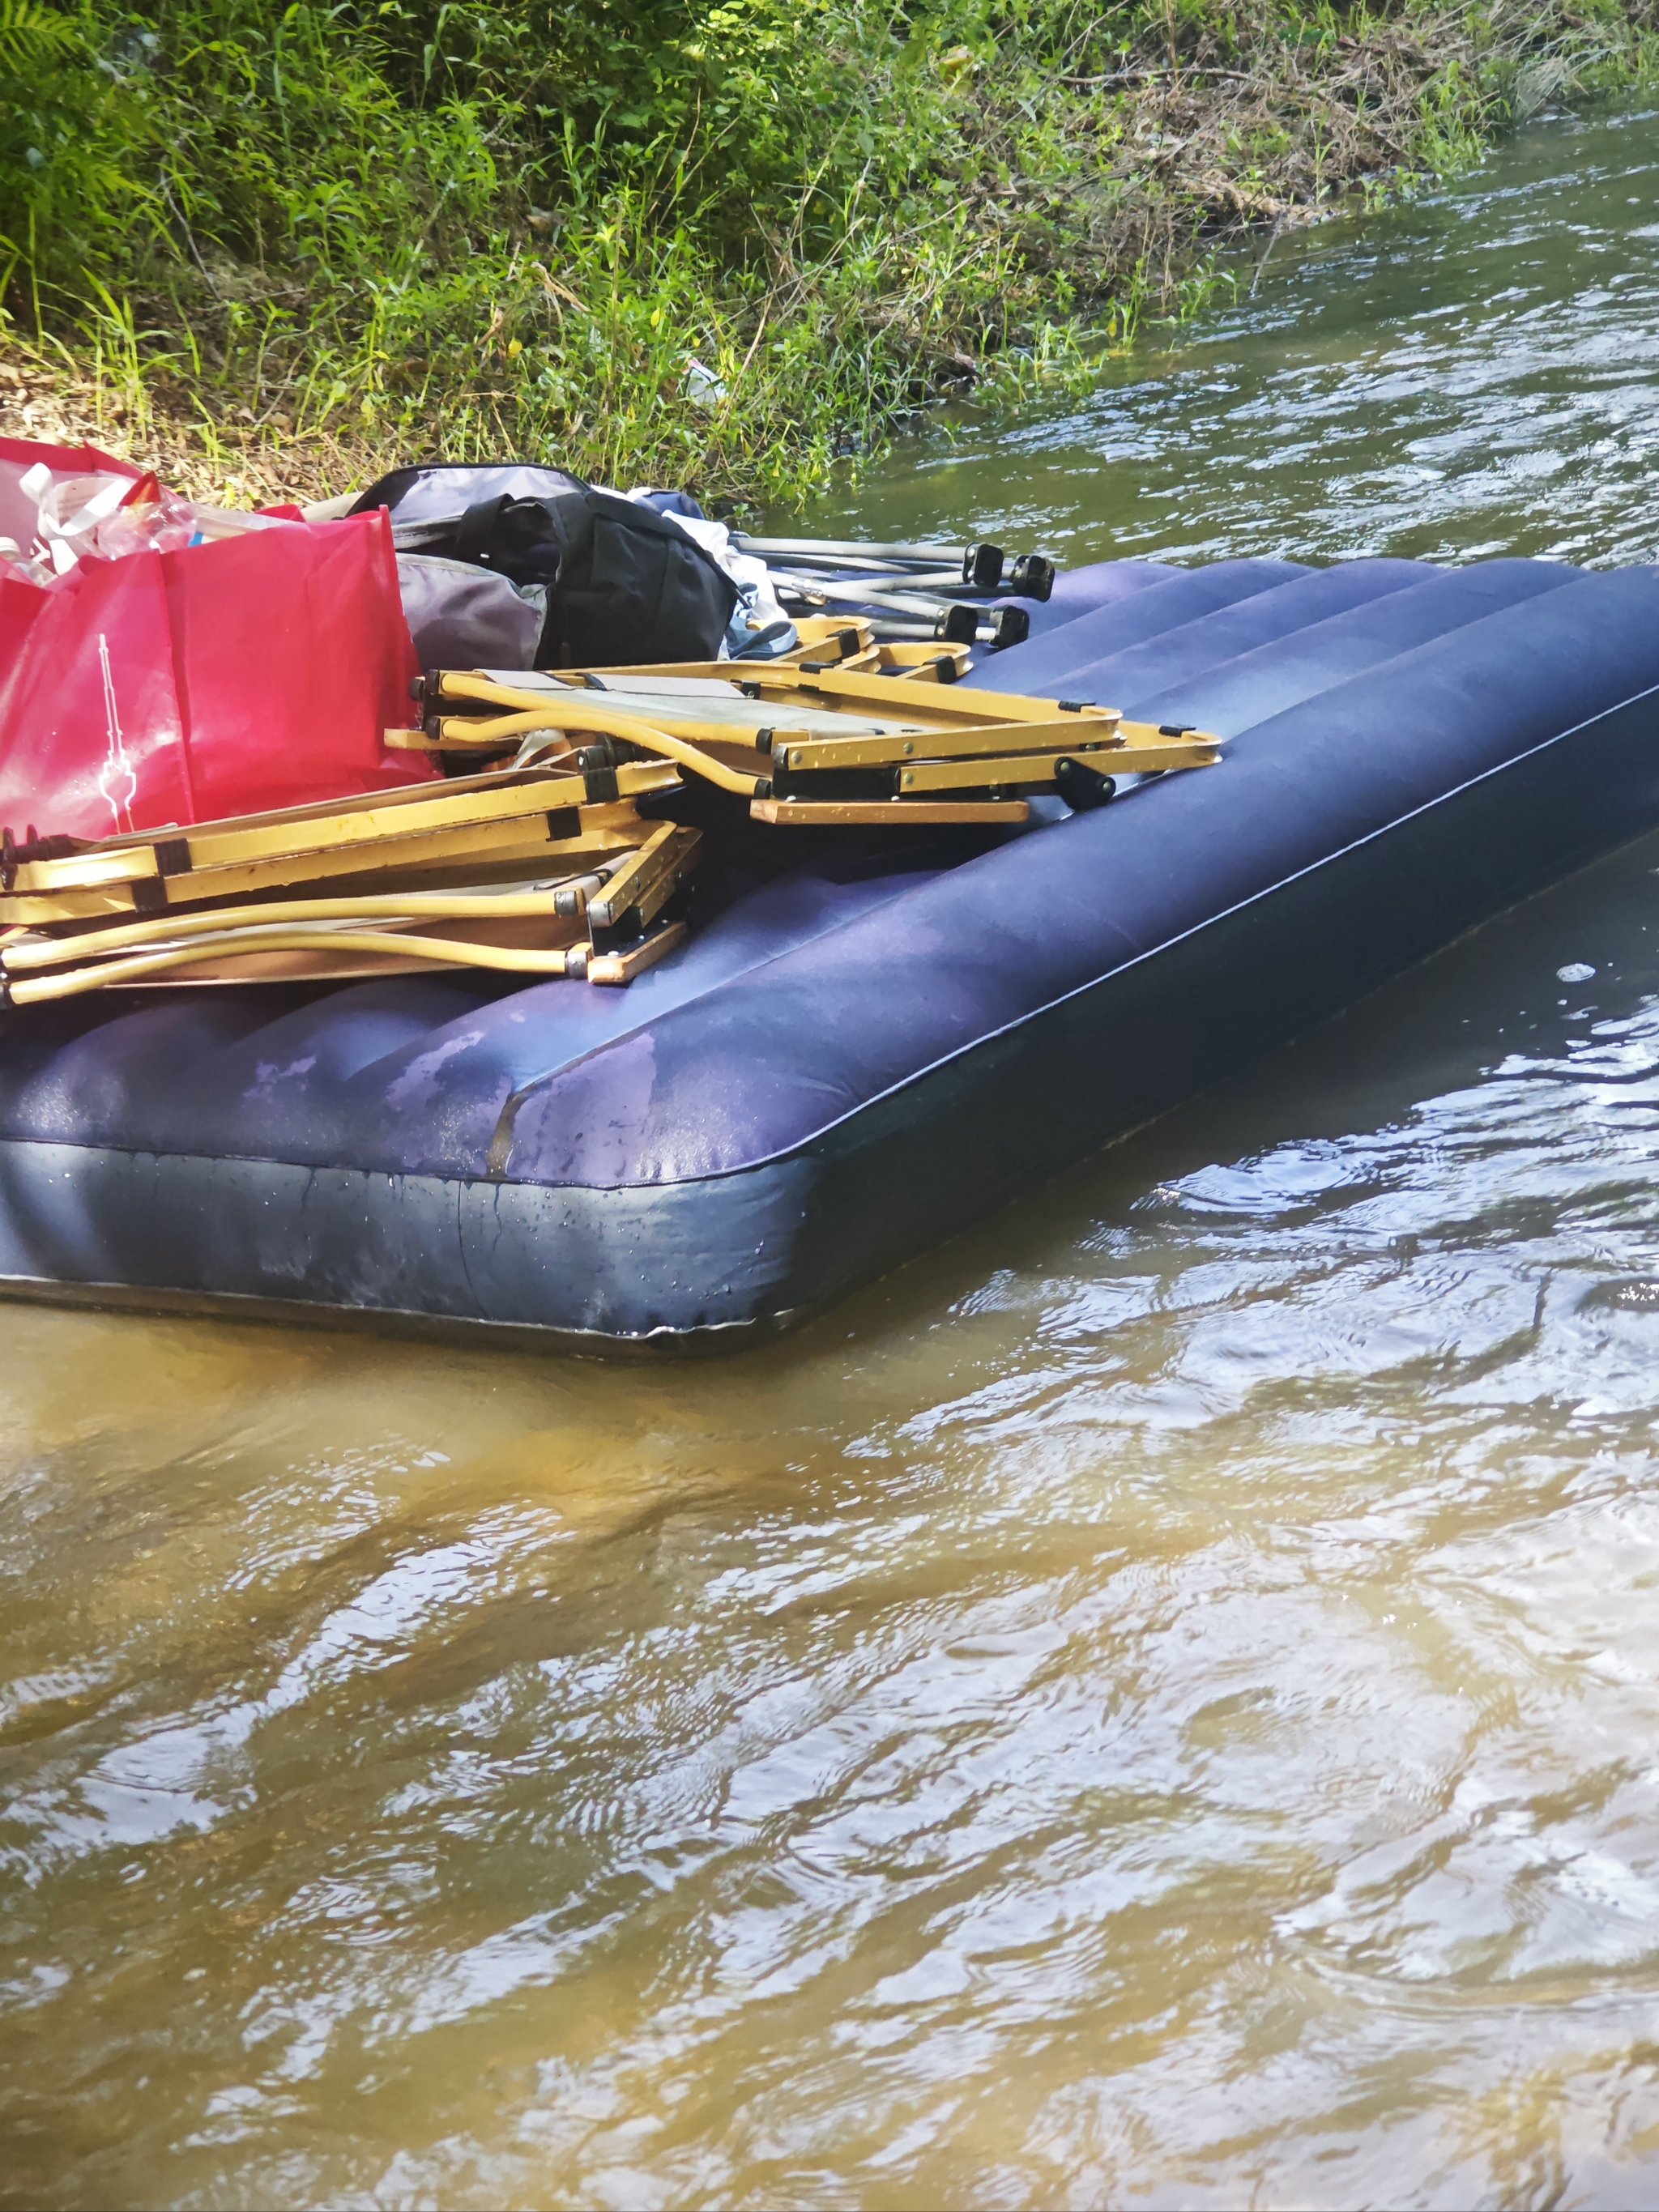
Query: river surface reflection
(1156, 1705)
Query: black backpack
(624, 584)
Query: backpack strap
(478, 526)
(485, 531)
(385, 491)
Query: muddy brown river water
(1156, 1705)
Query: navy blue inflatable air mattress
(852, 1059)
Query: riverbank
(723, 246)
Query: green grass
(292, 242)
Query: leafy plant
(305, 233)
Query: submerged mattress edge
(477, 1331)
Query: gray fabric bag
(463, 616)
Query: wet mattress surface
(840, 1067)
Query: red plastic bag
(224, 678)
